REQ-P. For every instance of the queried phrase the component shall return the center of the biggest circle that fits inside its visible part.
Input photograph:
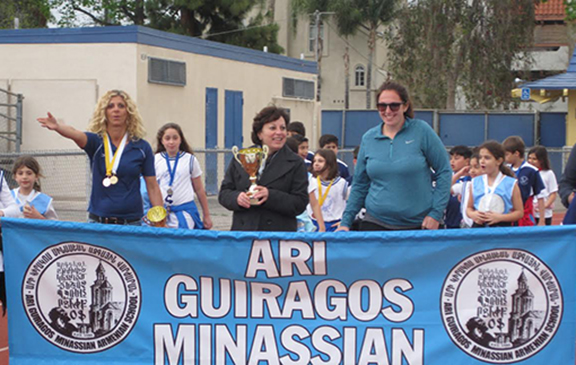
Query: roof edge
(152, 37)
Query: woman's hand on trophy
(243, 200)
(261, 194)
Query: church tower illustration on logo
(104, 312)
(524, 321)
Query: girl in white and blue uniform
(495, 198)
(179, 175)
(31, 202)
(330, 189)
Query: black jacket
(286, 178)
(568, 180)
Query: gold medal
(113, 180)
(106, 182)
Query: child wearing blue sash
(179, 175)
(31, 202)
(330, 189)
(495, 198)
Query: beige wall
(67, 79)
(70, 101)
(114, 63)
(260, 85)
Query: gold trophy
(156, 217)
(251, 160)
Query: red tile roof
(550, 10)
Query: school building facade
(212, 90)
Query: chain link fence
(66, 175)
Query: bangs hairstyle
(498, 152)
(331, 165)
(297, 127)
(184, 146)
(402, 93)
(515, 144)
(542, 156)
(31, 163)
(461, 150)
(134, 120)
(267, 115)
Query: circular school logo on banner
(501, 306)
(80, 297)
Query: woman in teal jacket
(403, 172)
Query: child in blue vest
(32, 203)
(529, 180)
(495, 198)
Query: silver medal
(106, 182)
(170, 192)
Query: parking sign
(525, 94)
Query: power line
(232, 31)
(347, 43)
(247, 28)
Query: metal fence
(66, 175)
(457, 128)
(10, 121)
(558, 158)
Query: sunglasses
(393, 106)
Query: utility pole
(318, 49)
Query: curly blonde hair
(135, 124)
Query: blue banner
(101, 294)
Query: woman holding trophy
(118, 156)
(266, 186)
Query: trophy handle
(264, 152)
(235, 153)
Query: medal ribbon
(489, 193)
(112, 162)
(322, 197)
(172, 172)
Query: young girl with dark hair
(330, 189)
(179, 176)
(538, 157)
(32, 203)
(495, 198)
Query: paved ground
(221, 217)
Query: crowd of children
(493, 185)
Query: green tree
(101, 12)
(30, 13)
(219, 20)
(441, 46)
